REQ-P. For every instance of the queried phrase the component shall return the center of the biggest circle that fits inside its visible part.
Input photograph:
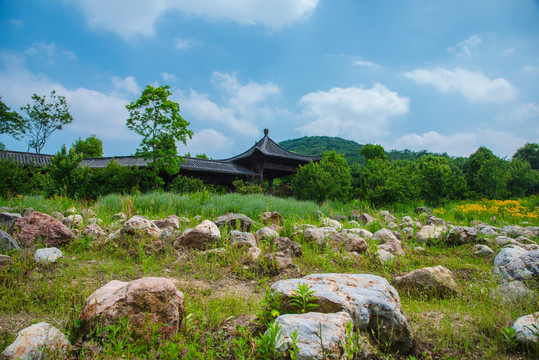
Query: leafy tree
(439, 179)
(491, 179)
(328, 179)
(11, 123)
(91, 147)
(157, 119)
(44, 118)
(473, 164)
(202, 156)
(67, 177)
(371, 151)
(523, 180)
(529, 153)
(18, 179)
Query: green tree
(157, 119)
(371, 151)
(11, 123)
(491, 179)
(439, 179)
(44, 118)
(523, 180)
(91, 147)
(529, 153)
(328, 179)
(67, 177)
(472, 166)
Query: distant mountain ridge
(316, 145)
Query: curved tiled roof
(268, 147)
(26, 158)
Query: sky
(443, 76)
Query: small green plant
(294, 348)
(267, 343)
(303, 300)
(325, 352)
(352, 344)
(509, 335)
(241, 348)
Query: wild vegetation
(228, 307)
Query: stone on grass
(8, 243)
(4, 260)
(332, 223)
(408, 231)
(7, 219)
(351, 242)
(314, 235)
(94, 231)
(488, 231)
(516, 263)
(429, 233)
(393, 246)
(36, 226)
(266, 233)
(48, 255)
(372, 303)
(514, 292)
(527, 329)
(150, 299)
(385, 256)
(57, 215)
(119, 216)
(87, 213)
(482, 250)
(283, 243)
(462, 235)
(365, 234)
(513, 231)
(203, 234)
(387, 216)
(272, 217)
(241, 239)
(235, 221)
(422, 209)
(73, 221)
(137, 225)
(281, 259)
(384, 235)
(308, 327)
(253, 253)
(433, 281)
(366, 218)
(39, 341)
(171, 221)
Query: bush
(183, 184)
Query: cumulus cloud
(207, 141)
(50, 51)
(168, 77)
(353, 112)
(525, 116)
(129, 18)
(475, 86)
(530, 70)
(465, 48)
(366, 64)
(128, 85)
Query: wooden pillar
(261, 172)
(270, 185)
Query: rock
(502, 240)
(87, 213)
(272, 217)
(366, 218)
(327, 222)
(524, 240)
(254, 253)
(94, 231)
(234, 221)
(526, 329)
(171, 221)
(308, 327)
(240, 239)
(407, 221)
(203, 234)
(314, 235)
(516, 263)
(461, 235)
(429, 233)
(38, 341)
(408, 231)
(354, 223)
(7, 219)
(8, 243)
(57, 215)
(387, 216)
(422, 209)
(119, 216)
(385, 256)
(432, 220)
(138, 225)
(266, 233)
(351, 242)
(5, 260)
(48, 255)
(434, 281)
(384, 235)
(73, 221)
(393, 246)
(282, 259)
(488, 231)
(149, 299)
(392, 226)
(482, 250)
(514, 292)
(41, 227)
(365, 234)
(167, 233)
(512, 231)
(283, 243)
(338, 217)
(27, 211)
(372, 303)
(419, 249)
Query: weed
(267, 343)
(294, 348)
(302, 299)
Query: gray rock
(462, 235)
(527, 329)
(266, 233)
(235, 221)
(94, 231)
(308, 327)
(57, 215)
(254, 253)
(408, 231)
(384, 235)
(387, 216)
(38, 341)
(73, 220)
(365, 218)
(203, 234)
(7, 219)
(240, 239)
(512, 231)
(48, 255)
(370, 300)
(488, 231)
(365, 234)
(429, 233)
(394, 247)
(514, 292)
(436, 281)
(172, 221)
(516, 263)
(327, 222)
(482, 250)
(283, 243)
(7, 242)
(385, 256)
(422, 209)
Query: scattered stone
(47, 255)
(7, 219)
(171, 221)
(38, 341)
(119, 216)
(41, 227)
(366, 218)
(365, 234)
(58, 216)
(514, 292)
(4, 260)
(254, 253)
(314, 235)
(282, 259)
(387, 216)
(422, 209)
(87, 213)
(502, 240)
(72, 210)
(393, 246)
(488, 231)
(392, 226)
(435, 281)
(149, 299)
(308, 327)
(203, 234)
(512, 231)
(327, 222)
(240, 239)
(432, 220)
(351, 242)
(266, 233)
(138, 225)
(385, 256)
(283, 243)
(94, 231)
(354, 223)
(407, 221)
(408, 231)
(8, 243)
(462, 235)
(384, 235)
(526, 329)
(234, 221)
(429, 233)
(272, 217)
(338, 217)
(419, 249)
(482, 250)
(516, 263)
(523, 240)
(372, 303)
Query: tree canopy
(11, 123)
(91, 147)
(529, 153)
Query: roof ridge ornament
(266, 131)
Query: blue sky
(444, 76)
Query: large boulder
(526, 329)
(36, 226)
(7, 219)
(283, 243)
(370, 300)
(241, 239)
(431, 281)
(310, 328)
(516, 263)
(429, 233)
(137, 225)
(462, 235)
(235, 221)
(39, 341)
(7, 242)
(203, 234)
(172, 221)
(149, 299)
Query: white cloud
(475, 86)
(16, 22)
(129, 18)
(184, 43)
(501, 143)
(168, 77)
(50, 50)
(206, 141)
(363, 63)
(128, 85)
(355, 113)
(525, 116)
(530, 70)
(465, 48)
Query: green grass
(225, 296)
